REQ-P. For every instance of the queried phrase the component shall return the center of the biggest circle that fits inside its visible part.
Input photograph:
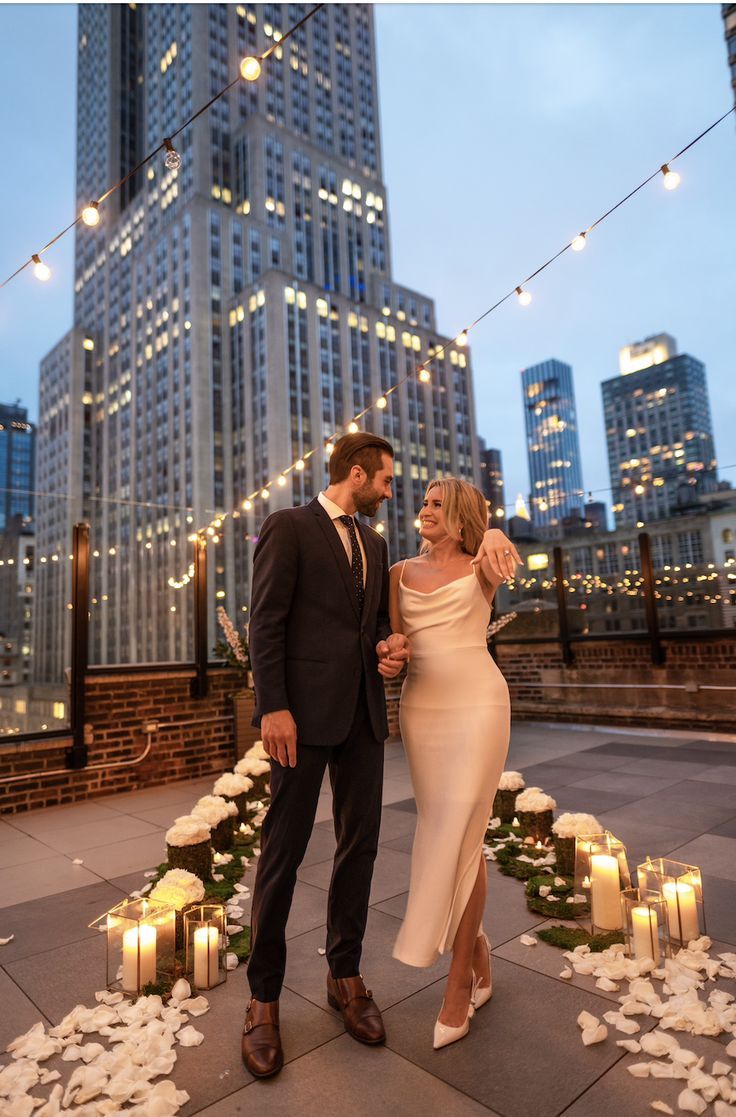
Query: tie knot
(348, 521)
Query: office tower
(596, 514)
(17, 485)
(491, 482)
(17, 464)
(241, 307)
(728, 12)
(553, 449)
(658, 430)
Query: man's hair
(363, 449)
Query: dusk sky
(506, 130)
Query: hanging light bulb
(250, 68)
(91, 214)
(172, 162)
(424, 375)
(671, 178)
(462, 338)
(265, 494)
(40, 270)
(329, 447)
(524, 296)
(247, 505)
(381, 402)
(579, 243)
(417, 523)
(353, 427)
(299, 465)
(281, 481)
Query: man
(319, 623)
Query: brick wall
(118, 706)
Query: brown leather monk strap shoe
(261, 1044)
(359, 1011)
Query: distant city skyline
(479, 195)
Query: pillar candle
(644, 933)
(205, 957)
(605, 892)
(683, 923)
(139, 942)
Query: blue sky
(506, 129)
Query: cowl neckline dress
(455, 722)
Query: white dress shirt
(334, 511)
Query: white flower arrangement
(179, 888)
(188, 831)
(232, 784)
(252, 766)
(570, 825)
(511, 781)
(257, 750)
(233, 640)
(497, 625)
(214, 809)
(534, 799)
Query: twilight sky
(506, 129)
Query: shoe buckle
(248, 1027)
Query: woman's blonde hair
(466, 512)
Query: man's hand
(392, 654)
(500, 553)
(278, 731)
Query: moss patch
(507, 859)
(567, 938)
(553, 909)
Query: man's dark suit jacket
(310, 648)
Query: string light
(172, 162)
(250, 68)
(247, 505)
(40, 270)
(579, 243)
(91, 214)
(353, 427)
(424, 375)
(299, 465)
(671, 178)
(524, 297)
(281, 481)
(462, 338)
(381, 403)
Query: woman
(454, 720)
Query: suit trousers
(356, 777)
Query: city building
(233, 312)
(658, 431)
(595, 515)
(17, 507)
(553, 449)
(491, 482)
(729, 19)
(17, 462)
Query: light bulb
(281, 481)
(299, 465)
(381, 402)
(671, 178)
(265, 494)
(250, 68)
(40, 270)
(353, 427)
(424, 375)
(417, 523)
(380, 528)
(329, 447)
(172, 162)
(91, 214)
(247, 505)
(579, 243)
(462, 338)
(524, 296)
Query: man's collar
(334, 511)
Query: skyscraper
(491, 482)
(17, 464)
(17, 503)
(729, 19)
(553, 449)
(658, 431)
(240, 308)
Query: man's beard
(366, 500)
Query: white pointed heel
(445, 1034)
(483, 993)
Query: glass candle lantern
(140, 938)
(646, 925)
(681, 887)
(601, 872)
(205, 944)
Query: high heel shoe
(483, 993)
(445, 1034)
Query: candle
(682, 910)
(139, 957)
(205, 957)
(515, 822)
(644, 933)
(605, 892)
(586, 882)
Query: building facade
(729, 20)
(17, 464)
(553, 448)
(658, 431)
(491, 482)
(17, 509)
(240, 309)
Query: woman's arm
(393, 596)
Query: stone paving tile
(9, 833)
(49, 877)
(163, 816)
(60, 978)
(390, 980)
(669, 769)
(727, 745)
(127, 857)
(717, 854)
(592, 802)
(674, 813)
(641, 836)
(619, 1093)
(404, 805)
(40, 823)
(701, 791)
(346, 1079)
(75, 840)
(146, 798)
(721, 774)
(321, 845)
(725, 829)
(23, 849)
(390, 874)
(549, 776)
(593, 761)
(54, 921)
(530, 1018)
(405, 843)
(18, 1012)
(215, 1070)
(621, 782)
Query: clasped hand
(392, 653)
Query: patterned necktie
(356, 563)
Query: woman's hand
(500, 554)
(392, 654)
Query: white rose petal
(594, 1035)
(639, 1070)
(566, 974)
(231, 961)
(690, 1102)
(77, 861)
(661, 1107)
(720, 1068)
(189, 1037)
(587, 1020)
(195, 1006)
(629, 1045)
(607, 985)
(4, 942)
(321, 950)
(181, 990)
(528, 940)
(724, 1110)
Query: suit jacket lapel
(335, 544)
